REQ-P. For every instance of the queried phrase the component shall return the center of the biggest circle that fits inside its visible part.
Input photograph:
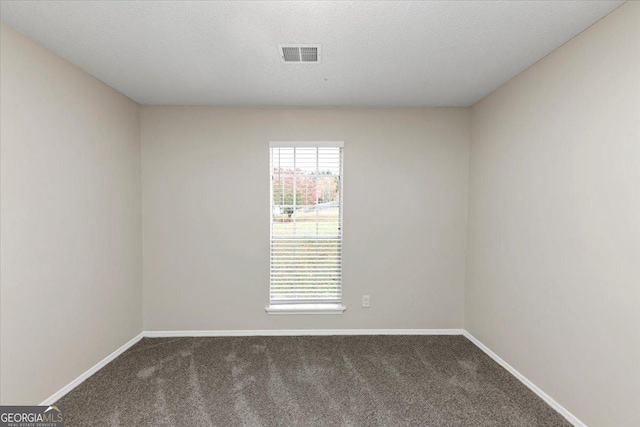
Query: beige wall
(553, 272)
(70, 219)
(206, 215)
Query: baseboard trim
(300, 332)
(544, 396)
(95, 368)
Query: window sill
(305, 309)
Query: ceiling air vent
(300, 53)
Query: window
(306, 228)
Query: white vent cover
(300, 53)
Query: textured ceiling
(373, 53)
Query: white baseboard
(300, 332)
(95, 368)
(544, 396)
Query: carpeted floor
(306, 381)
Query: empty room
(320, 213)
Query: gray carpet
(306, 381)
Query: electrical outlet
(366, 301)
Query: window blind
(306, 223)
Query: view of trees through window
(309, 191)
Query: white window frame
(304, 308)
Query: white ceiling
(373, 53)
